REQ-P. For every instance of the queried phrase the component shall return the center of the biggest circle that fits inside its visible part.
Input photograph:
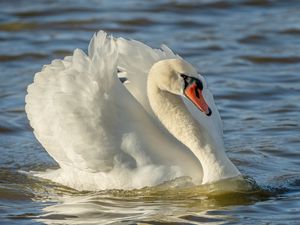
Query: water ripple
(248, 50)
(269, 59)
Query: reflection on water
(160, 203)
(175, 201)
(249, 52)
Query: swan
(159, 124)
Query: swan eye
(185, 79)
(189, 80)
(183, 76)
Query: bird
(125, 116)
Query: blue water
(249, 52)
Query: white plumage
(105, 134)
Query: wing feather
(68, 101)
(97, 128)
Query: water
(249, 52)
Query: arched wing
(87, 120)
(74, 109)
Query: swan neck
(174, 115)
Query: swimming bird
(126, 116)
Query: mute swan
(160, 124)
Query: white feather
(101, 136)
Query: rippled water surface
(249, 51)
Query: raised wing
(74, 111)
(91, 125)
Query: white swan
(160, 124)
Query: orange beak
(194, 93)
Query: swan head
(181, 78)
